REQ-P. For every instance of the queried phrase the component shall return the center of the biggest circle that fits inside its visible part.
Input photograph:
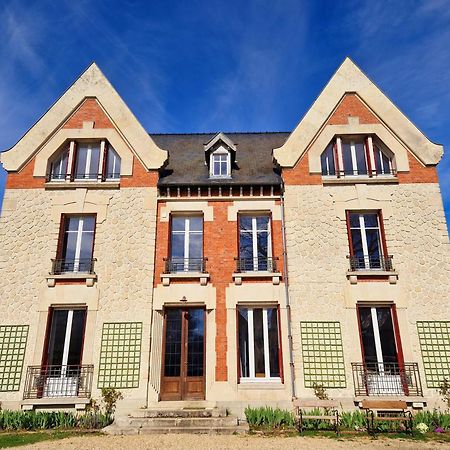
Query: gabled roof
(187, 165)
(220, 137)
(349, 78)
(91, 83)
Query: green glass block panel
(13, 341)
(434, 338)
(120, 355)
(323, 356)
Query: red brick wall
(351, 105)
(89, 111)
(23, 179)
(220, 244)
(299, 174)
(418, 173)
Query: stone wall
(124, 249)
(317, 245)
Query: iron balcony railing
(85, 176)
(259, 264)
(82, 176)
(56, 176)
(353, 173)
(82, 265)
(380, 262)
(387, 379)
(178, 265)
(58, 381)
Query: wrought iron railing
(111, 176)
(379, 262)
(82, 265)
(58, 381)
(178, 265)
(85, 176)
(387, 379)
(258, 264)
(353, 173)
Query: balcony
(359, 176)
(53, 382)
(375, 267)
(185, 268)
(72, 269)
(259, 267)
(88, 180)
(387, 379)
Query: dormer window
(356, 156)
(86, 161)
(220, 163)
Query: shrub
(267, 417)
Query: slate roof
(186, 167)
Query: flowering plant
(422, 427)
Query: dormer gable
(328, 118)
(220, 156)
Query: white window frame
(251, 347)
(255, 232)
(363, 228)
(220, 152)
(117, 160)
(79, 231)
(61, 171)
(186, 233)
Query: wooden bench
(329, 407)
(387, 411)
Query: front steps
(188, 419)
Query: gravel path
(177, 441)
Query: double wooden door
(183, 362)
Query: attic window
(220, 163)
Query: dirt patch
(203, 442)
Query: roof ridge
(215, 132)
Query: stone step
(183, 422)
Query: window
(220, 163)
(255, 249)
(367, 246)
(58, 168)
(76, 244)
(186, 244)
(112, 165)
(259, 344)
(87, 160)
(356, 156)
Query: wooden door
(183, 362)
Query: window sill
(93, 184)
(77, 402)
(90, 278)
(261, 385)
(203, 277)
(239, 276)
(391, 276)
(359, 179)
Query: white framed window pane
(178, 223)
(88, 223)
(347, 158)
(272, 319)
(87, 240)
(81, 159)
(245, 223)
(244, 356)
(177, 245)
(258, 336)
(112, 164)
(94, 162)
(195, 246)
(262, 223)
(245, 245)
(327, 161)
(72, 223)
(196, 224)
(70, 246)
(216, 168)
(361, 165)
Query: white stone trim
(187, 207)
(350, 79)
(195, 294)
(255, 205)
(385, 135)
(98, 134)
(92, 83)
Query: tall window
(366, 241)
(112, 164)
(76, 244)
(354, 157)
(87, 160)
(255, 249)
(58, 168)
(220, 164)
(259, 345)
(186, 244)
(327, 159)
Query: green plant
(444, 391)
(352, 420)
(110, 397)
(433, 419)
(320, 392)
(267, 417)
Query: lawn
(18, 438)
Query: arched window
(112, 164)
(327, 159)
(58, 167)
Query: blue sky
(190, 66)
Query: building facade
(226, 268)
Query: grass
(17, 439)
